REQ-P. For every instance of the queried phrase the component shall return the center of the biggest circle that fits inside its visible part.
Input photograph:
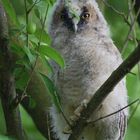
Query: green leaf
(51, 2)
(10, 11)
(37, 13)
(53, 54)
(21, 76)
(47, 65)
(52, 91)
(17, 50)
(24, 62)
(30, 1)
(30, 56)
(44, 36)
(32, 103)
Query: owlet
(80, 33)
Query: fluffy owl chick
(80, 33)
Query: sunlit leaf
(47, 65)
(29, 54)
(51, 2)
(52, 91)
(43, 36)
(53, 54)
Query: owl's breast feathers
(88, 65)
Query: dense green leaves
(10, 11)
(45, 62)
(27, 34)
(30, 1)
(29, 54)
(22, 77)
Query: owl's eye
(85, 16)
(64, 14)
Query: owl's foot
(67, 130)
(75, 117)
(80, 108)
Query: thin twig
(129, 33)
(33, 68)
(33, 5)
(133, 112)
(35, 63)
(116, 11)
(111, 114)
(133, 73)
(131, 6)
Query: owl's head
(77, 15)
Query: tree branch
(39, 113)
(7, 88)
(137, 7)
(104, 91)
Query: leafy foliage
(52, 91)
(10, 11)
(31, 44)
(119, 32)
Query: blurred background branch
(7, 84)
(137, 7)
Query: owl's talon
(67, 130)
(84, 103)
(77, 113)
(79, 109)
(74, 118)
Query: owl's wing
(122, 124)
(56, 69)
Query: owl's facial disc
(70, 19)
(75, 19)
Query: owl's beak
(75, 24)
